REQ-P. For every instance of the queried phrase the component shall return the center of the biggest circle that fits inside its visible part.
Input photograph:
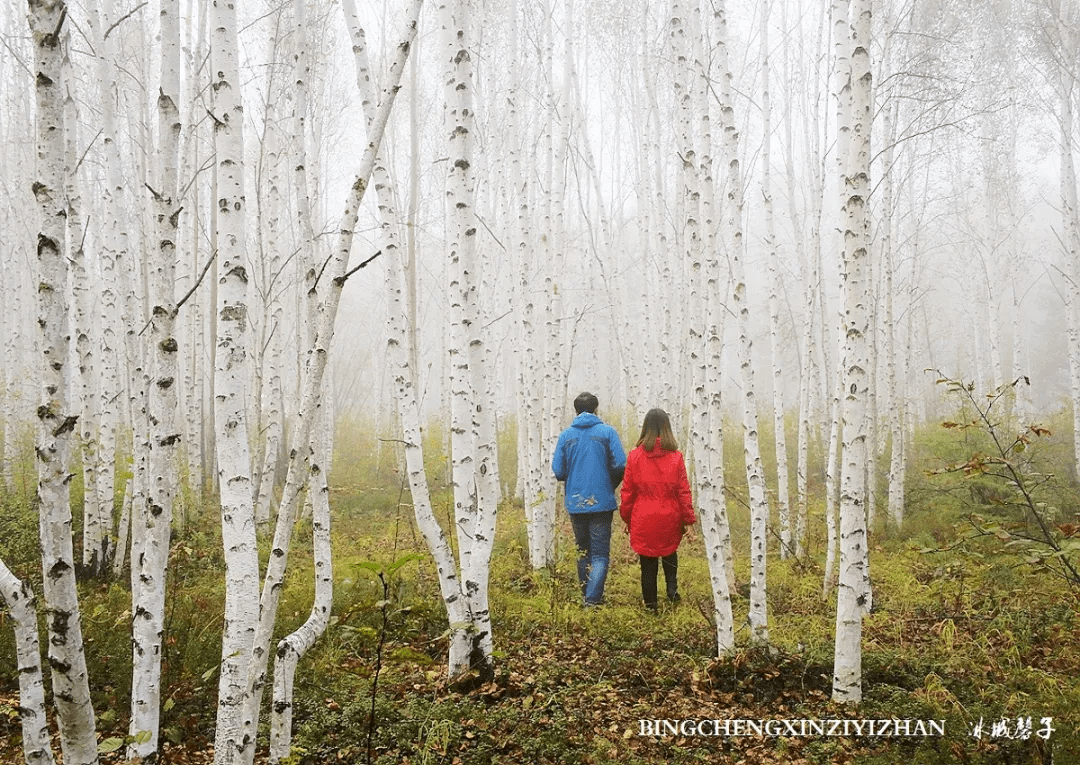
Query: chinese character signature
(1007, 728)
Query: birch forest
(296, 297)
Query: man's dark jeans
(592, 533)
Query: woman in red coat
(656, 504)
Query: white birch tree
(232, 376)
(303, 460)
(706, 430)
(152, 523)
(853, 594)
(735, 246)
(783, 501)
(22, 605)
(471, 444)
(56, 420)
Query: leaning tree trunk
(292, 648)
(56, 421)
(19, 596)
(302, 460)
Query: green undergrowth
(575, 685)
(962, 630)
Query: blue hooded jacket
(590, 458)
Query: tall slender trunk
(783, 501)
(232, 378)
(474, 513)
(96, 527)
(706, 427)
(112, 252)
(733, 237)
(152, 523)
(1071, 216)
(56, 420)
(893, 393)
(853, 591)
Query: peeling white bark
(56, 420)
(232, 378)
(853, 592)
(19, 596)
(733, 238)
(152, 521)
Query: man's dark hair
(586, 402)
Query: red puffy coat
(656, 500)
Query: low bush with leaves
(1010, 490)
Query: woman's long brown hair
(657, 425)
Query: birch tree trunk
(1070, 210)
(853, 592)
(733, 237)
(841, 76)
(269, 389)
(471, 647)
(893, 393)
(293, 647)
(783, 501)
(96, 528)
(113, 250)
(810, 258)
(56, 422)
(19, 596)
(832, 480)
(232, 378)
(706, 345)
(152, 523)
(551, 191)
(531, 462)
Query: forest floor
(957, 635)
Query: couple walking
(655, 504)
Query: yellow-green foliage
(957, 632)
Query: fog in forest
(230, 233)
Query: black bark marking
(66, 426)
(56, 571)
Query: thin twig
(378, 663)
(340, 281)
(123, 18)
(198, 282)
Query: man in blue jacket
(590, 458)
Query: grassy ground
(961, 631)
(945, 642)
